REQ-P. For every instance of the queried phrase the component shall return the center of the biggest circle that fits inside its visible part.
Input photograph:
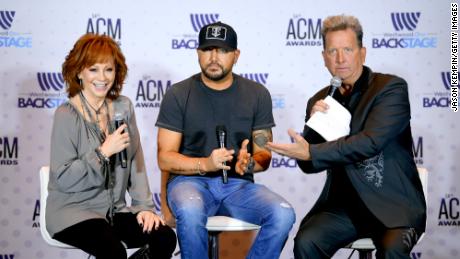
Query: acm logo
(449, 211)
(304, 31)
(197, 21)
(51, 85)
(6, 19)
(105, 26)
(9, 151)
(150, 92)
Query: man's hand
(243, 158)
(215, 161)
(319, 106)
(300, 149)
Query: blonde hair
(342, 22)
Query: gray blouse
(77, 186)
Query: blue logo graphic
(48, 81)
(278, 101)
(201, 20)
(157, 202)
(6, 19)
(446, 80)
(405, 36)
(260, 78)
(190, 41)
(11, 39)
(405, 20)
(51, 95)
(439, 98)
(6, 256)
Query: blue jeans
(193, 199)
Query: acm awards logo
(441, 97)
(150, 92)
(12, 39)
(6, 256)
(9, 151)
(105, 26)
(405, 34)
(304, 31)
(190, 41)
(449, 211)
(51, 95)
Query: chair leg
(213, 250)
(365, 254)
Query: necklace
(96, 111)
(86, 105)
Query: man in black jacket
(372, 187)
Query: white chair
(365, 246)
(217, 224)
(44, 179)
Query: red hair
(87, 51)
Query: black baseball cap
(217, 34)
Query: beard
(217, 76)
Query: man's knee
(305, 246)
(284, 216)
(397, 243)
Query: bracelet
(198, 168)
(101, 155)
(250, 166)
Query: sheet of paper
(333, 124)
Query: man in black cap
(212, 132)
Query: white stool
(44, 179)
(217, 224)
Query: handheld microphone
(122, 155)
(336, 82)
(221, 139)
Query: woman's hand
(148, 220)
(115, 142)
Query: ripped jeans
(192, 199)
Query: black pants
(321, 234)
(98, 238)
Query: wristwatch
(250, 167)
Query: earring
(79, 81)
